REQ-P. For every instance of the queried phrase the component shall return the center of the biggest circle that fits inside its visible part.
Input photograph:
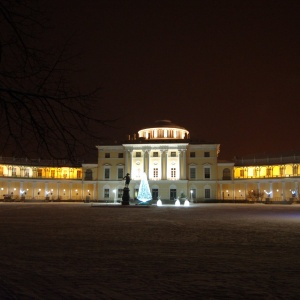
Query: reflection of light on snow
(177, 202)
(186, 202)
(159, 203)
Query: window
(120, 155)
(136, 192)
(106, 173)
(192, 173)
(52, 173)
(154, 194)
(88, 175)
(242, 173)
(14, 171)
(226, 174)
(193, 194)
(173, 172)
(107, 155)
(155, 172)
(138, 154)
(207, 193)
(269, 172)
(106, 193)
(120, 173)
(281, 171)
(206, 154)
(206, 173)
(39, 172)
(192, 154)
(155, 154)
(26, 174)
(173, 154)
(172, 194)
(295, 170)
(120, 193)
(78, 174)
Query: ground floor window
(154, 194)
(136, 192)
(207, 193)
(193, 194)
(173, 172)
(173, 194)
(120, 193)
(106, 193)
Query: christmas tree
(144, 194)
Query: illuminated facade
(176, 167)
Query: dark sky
(227, 71)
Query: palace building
(176, 167)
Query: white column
(94, 194)
(148, 152)
(162, 163)
(184, 164)
(126, 162)
(130, 162)
(166, 164)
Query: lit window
(242, 173)
(173, 172)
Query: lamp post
(192, 196)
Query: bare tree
(40, 111)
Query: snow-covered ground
(205, 251)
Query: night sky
(227, 71)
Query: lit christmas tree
(144, 194)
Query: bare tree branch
(40, 111)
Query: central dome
(163, 129)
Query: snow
(201, 251)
